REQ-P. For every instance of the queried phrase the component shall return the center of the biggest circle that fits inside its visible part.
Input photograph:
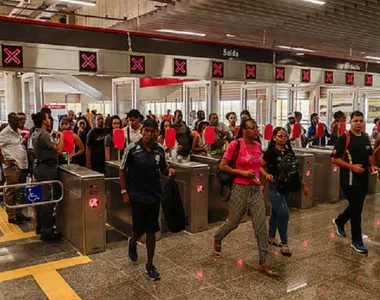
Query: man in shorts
(140, 170)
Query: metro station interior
(275, 60)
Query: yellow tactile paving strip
(11, 232)
(47, 277)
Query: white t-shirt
(135, 135)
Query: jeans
(45, 217)
(355, 195)
(280, 213)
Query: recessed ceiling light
(230, 35)
(80, 2)
(300, 54)
(295, 48)
(181, 32)
(372, 57)
(316, 2)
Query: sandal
(264, 268)
(217, 249)
(285, 250)
(274, 242)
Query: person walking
(353, 154)
(247, 191)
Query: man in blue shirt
(140, 170)
(312, 132)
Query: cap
(150, 123)
(291, 115)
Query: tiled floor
(323, 265)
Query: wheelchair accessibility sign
(33, 194)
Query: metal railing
(32, 184)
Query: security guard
(46, 150)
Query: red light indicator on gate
(88, 61)
(93, 202)
(280, 73)
(350, 78)
(329, 77)
(12, 56)
(250, 71)
(179, 67)
(305, 75)
(368, 80)
(200, 188)
(308, 173)
(217, 69)
(137, 64)
(335, 169)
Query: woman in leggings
(278, 147)
(246, 194)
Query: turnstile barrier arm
(40, 183)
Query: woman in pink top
(247, 191)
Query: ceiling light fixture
(230, 35)
(372, 57)
(80, 2)
(295, 48)
(316, 2)
(181, 32)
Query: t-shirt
(358, 152)
(43, 142)
(312, 132)
(249, 158)
(144, 170)
(108, 142)
(273, 158)
(95, 140)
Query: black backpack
(289, 175)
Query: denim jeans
(280, 213)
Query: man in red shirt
(168, 116)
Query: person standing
(95, 151)
(201, 116)
(183, 136)
(312, 132)
(15, 166)
(24, 131)
(221, 135)
(71, 117)
(355, 159)
(132, 132)
(247, 191)
(168, 116)
(140, 170)
(112, 153)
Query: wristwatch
(123, 192)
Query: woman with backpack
(281, 170)
(242, 160)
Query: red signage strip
(149, 82)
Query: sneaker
(152, 273)
(359, 247)
(132, 251)
(339, 229)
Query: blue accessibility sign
(33, 194)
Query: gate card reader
(81, 213)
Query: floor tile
(211, 293)
(22, 288)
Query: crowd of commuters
(35, 153)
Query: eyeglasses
(281, 136)
(252, 127)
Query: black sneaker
(24, 218)
(15, 221)
(152, 273)
(52, 237)
(132, 251)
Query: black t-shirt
(358, 152)
(95, 140)
(273, 158)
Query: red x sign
(329, 77)
(137, 64)
(368, 79)
(350, 78)
(180, 67)
(12, 56)
(305, 75)
(87, 61)
(250, 71)
(280, 73)
(217, 69)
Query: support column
(13, 94)
(214, 98)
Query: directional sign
(217, 69)
(137, 64)
(368, 80)
(250, 71)
(179, 67)
(350, 78)
(12, 56)
(88, 61)
(329, 77)
(280, 73)
(305, 75)
(33, 194)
